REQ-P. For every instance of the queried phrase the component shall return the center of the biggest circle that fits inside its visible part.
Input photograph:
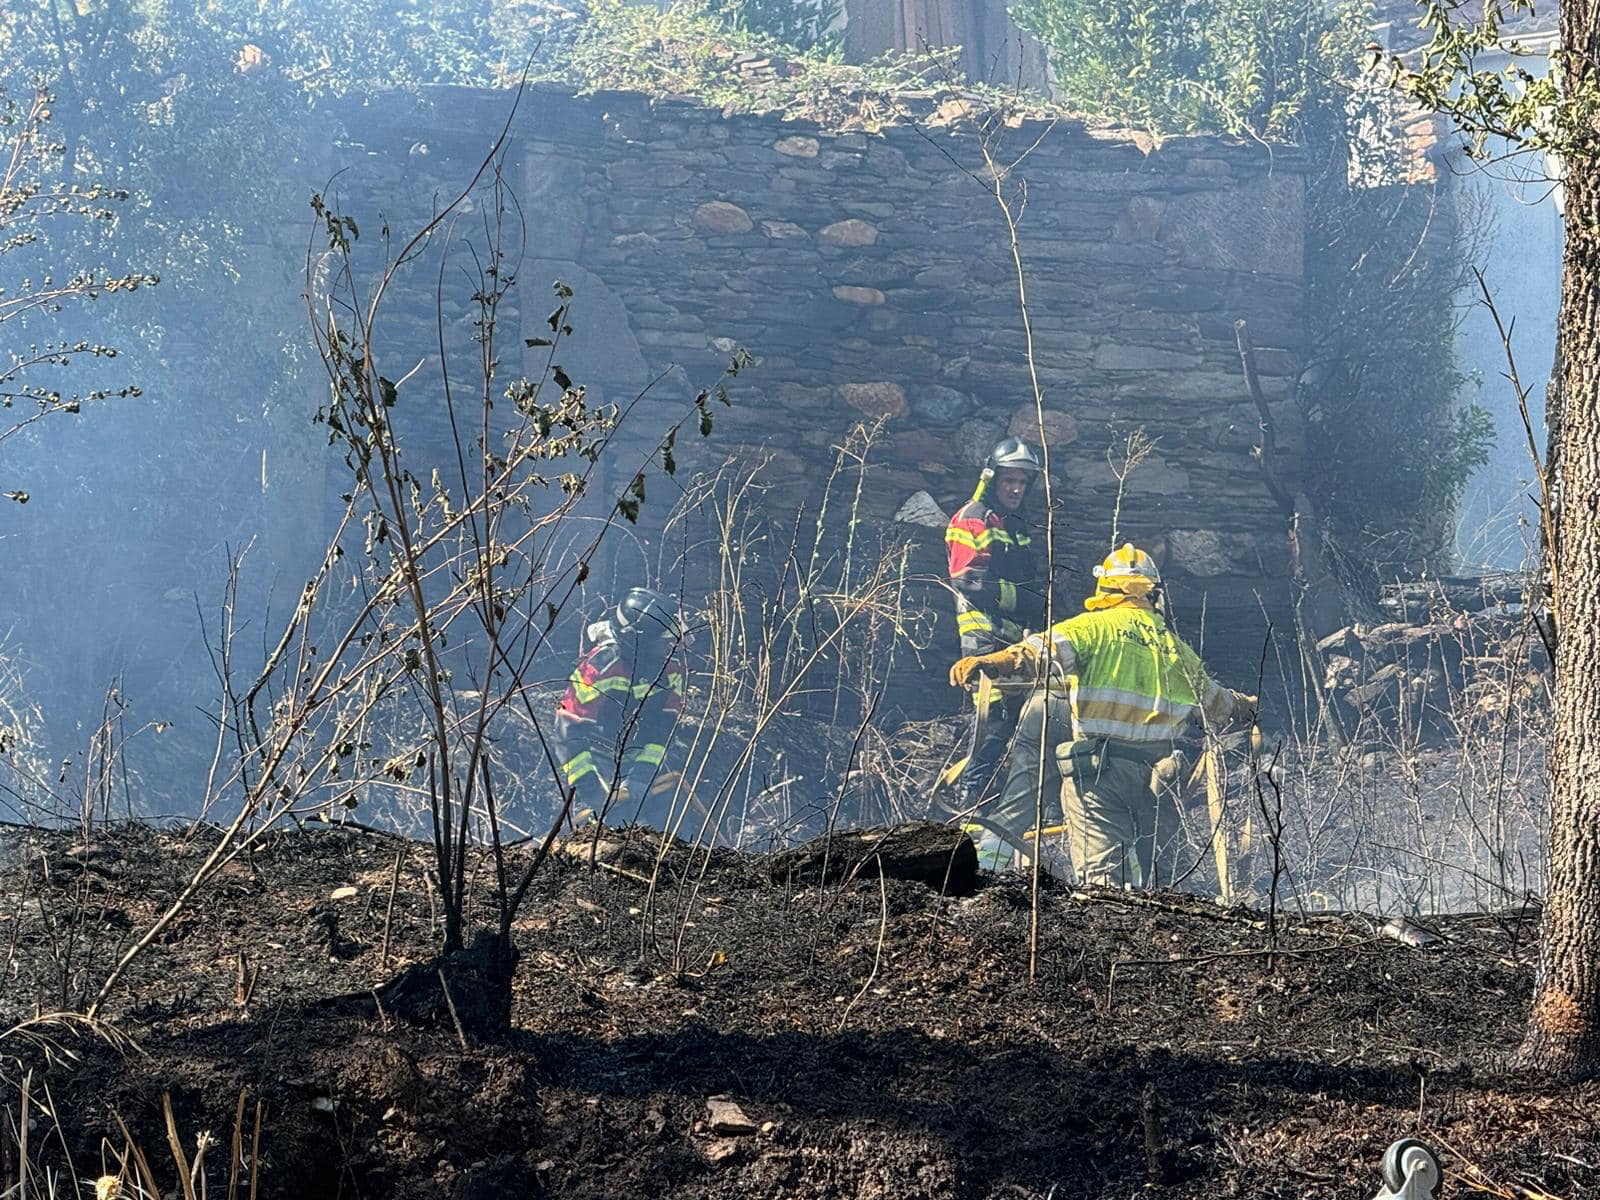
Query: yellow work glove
(1001, 662)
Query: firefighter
(996, 574)
(621, 704)
(1119, 687)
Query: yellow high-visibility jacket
(1131, 678)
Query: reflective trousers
(1108, 808)
(1122, 813)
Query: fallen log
(941, 856)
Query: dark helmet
(646, 613)
(1013, 454)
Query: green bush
(1175, 66)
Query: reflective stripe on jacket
(996, 576)
(1133, 679)
(604, 705)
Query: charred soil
(720, 1035)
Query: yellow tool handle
(1047, 831)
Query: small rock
(850, 232)
(797, 147)
(720, 1150)
(858, 295)
(343, 893)
(1405, 932)
(718, 216)
(727, 1119)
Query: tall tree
(1558, 113)
(1564, 1026)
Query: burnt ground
(882, 1040)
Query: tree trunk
(1563, 1037)
(468, 990)
(993, 49)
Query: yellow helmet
(1126, 571)
(1127, 562)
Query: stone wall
(871, 277)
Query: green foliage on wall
(1389, 446)
(1176, 66)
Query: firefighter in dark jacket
(997, 577)
(622, 702)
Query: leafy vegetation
(1176, 66)
(1390, 446)
(1464, 72)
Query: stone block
(1199, 552)
(1117, 356)
(1155, 476)
(952, 275)
(797, 147)
(858, 295)
(1178, 299)
(632, 242)
(602, 348)
(876, 399)
(1259, 227)
(939, 405)
(849, 232)
(721, 217)
(552, 186)
(921, 448)
(1059, 427)
(795, 395)
(1141, 221)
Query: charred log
(940, 856)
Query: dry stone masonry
(871, 277)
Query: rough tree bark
(1563, 1035)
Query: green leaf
(387, 392)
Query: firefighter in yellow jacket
(1117, 688)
